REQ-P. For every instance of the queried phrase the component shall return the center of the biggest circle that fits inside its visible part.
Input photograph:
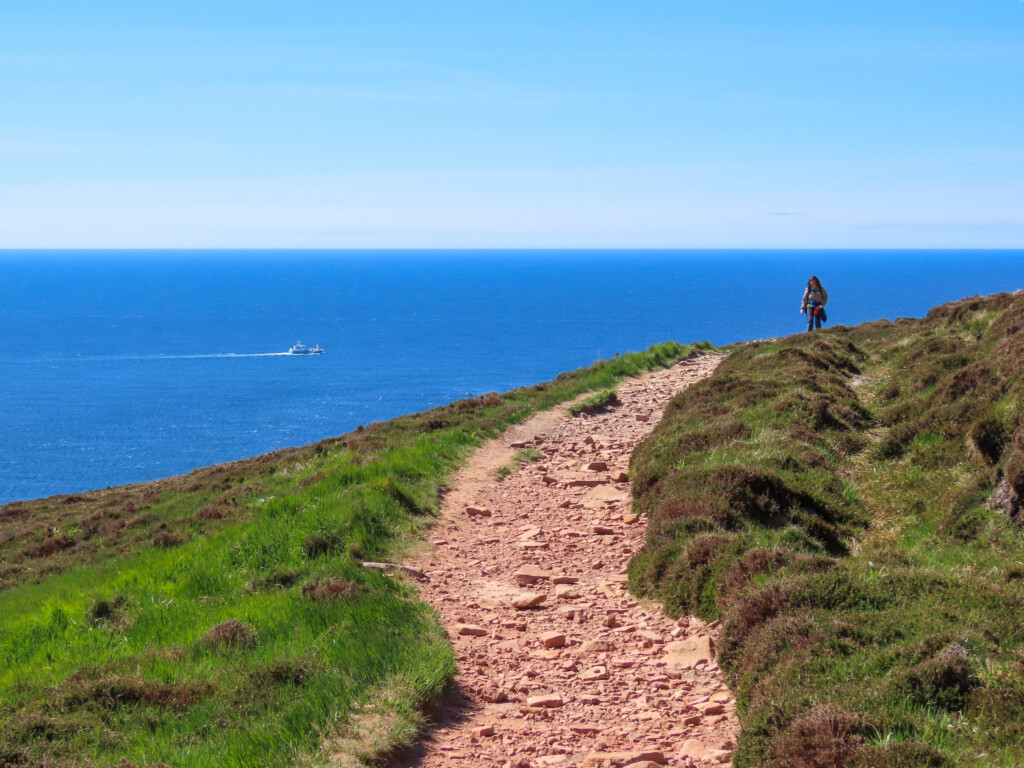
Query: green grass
(595, 403)
(834, 498)
(522, 457)
(222, 618)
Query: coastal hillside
(848, 504)
(224, 618)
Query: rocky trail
(558, 664)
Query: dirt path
(588, 676)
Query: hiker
(813, 304)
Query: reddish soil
(589, 676)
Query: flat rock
(528, 574)
(493, 695)
(608, 493)
(596, 672)
(550, 700)
(604, 530)
(598, 466)
(689, 653)
(545, 761)
(595, 759)
(693, 749)
(563, 579)
(553, 639)
(475, 510)
(472, 630)
(527, 600)
(597, 646)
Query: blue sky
(512, 124)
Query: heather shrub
(848, 503)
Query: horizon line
(268, 249)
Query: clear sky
(677, 124)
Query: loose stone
(528, 574)
(528, 600)
(595, 759)
(597, 672)
(549, 700)
(553, 639)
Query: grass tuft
(598, 403)
(522, 457)
(231, 634)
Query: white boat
(302, 349)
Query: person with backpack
(813, 304)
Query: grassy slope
(108, 599)
(847, 502)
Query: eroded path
(558, 664)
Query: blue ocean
(120, 367)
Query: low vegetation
(222, 618)
(848, 503)
(595, 403)
(522, 458)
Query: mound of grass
(223, 618)
(522, 458)
(596, 403)
(848, 502)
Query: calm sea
(119, 367)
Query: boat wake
(201, 357)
